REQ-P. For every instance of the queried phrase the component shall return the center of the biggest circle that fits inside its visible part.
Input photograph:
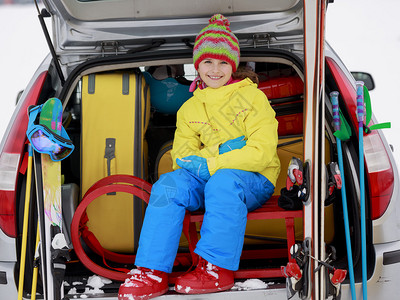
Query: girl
(225, 163)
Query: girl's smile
(214, 72)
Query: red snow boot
(143, 284)
(206, 278)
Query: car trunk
(275, 68)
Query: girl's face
(214, 72)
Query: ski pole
(360, 119)
(25, 224)
(336, 121)
(35, 265)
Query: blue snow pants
(226, 198)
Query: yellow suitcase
(115, 114)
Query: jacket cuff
(212, 165)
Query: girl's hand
(196, 165)
(233, 144)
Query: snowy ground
(365, 33)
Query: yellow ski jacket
(214, 116)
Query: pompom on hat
(217, 41)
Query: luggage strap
(114, 183)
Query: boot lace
(206, 271)
(143, 275)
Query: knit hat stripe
(218, 31)
(221, 49)
(216, 47)
(217, 41)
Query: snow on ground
(98, 281)
(250, 284)
(93, 286)
(95, 283)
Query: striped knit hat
(217, 41)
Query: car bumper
(385, 280)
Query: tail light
(380, 174)
(379, 169)
(10, 157)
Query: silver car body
(84, 30)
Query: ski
(314, 134)
(40, 207)
(48, 186)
